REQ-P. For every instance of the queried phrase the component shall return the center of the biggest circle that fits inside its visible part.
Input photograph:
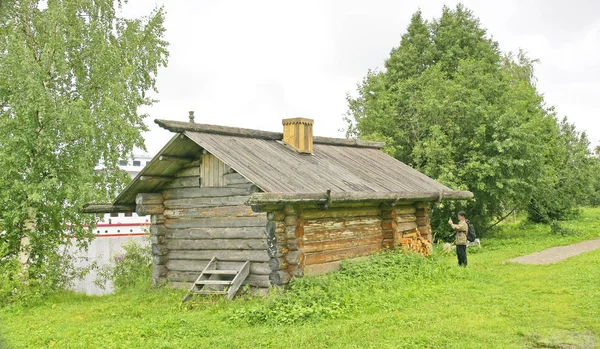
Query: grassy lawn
(392, 301)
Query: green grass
(391, 301)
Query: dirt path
(557, 254)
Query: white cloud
(253, 63)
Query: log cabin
(291, 204)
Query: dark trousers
(461, 253)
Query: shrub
(557, 229)
(332, 295)
(47, 275)
(131, 269)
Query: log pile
(414, 241)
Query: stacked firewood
(413, 241)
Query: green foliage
(453, 106)
(57, 270)
(334, 295)
(72, 76)
(568, 177)
(557, 229)
(492, 302)
(131, 269)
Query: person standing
(460, 237)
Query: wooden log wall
(201, 222)
(326, 237)
(423, 223)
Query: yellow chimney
(298, 133)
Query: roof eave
(275, 199)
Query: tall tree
(453, 106)
(73, 74)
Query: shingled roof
(337, 168)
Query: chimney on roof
(298, 133)
(191, 116)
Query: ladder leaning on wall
(213, 280)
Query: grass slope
(391, 301)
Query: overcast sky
(252, 63)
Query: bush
(557, 229)
(131, 269)
(44, 276)
(332, 295)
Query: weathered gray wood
(149, 199)
(183, 182)
(206, 202)
(175, 159)
(237, 281)
(227, 244)
(157, 218)
(259, 199)
(235, 178)
(189, 172)
(222, 255)
(294, 257)
(210, 212)
(155, 178)
(159, 250)
(218, 233)
(189, 193)
(175, 277)
(143, 210)
(199, 265)
(107, 208)
(158, 229)
(178, 126)
(279, 277)
(216, 222)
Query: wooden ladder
(213, 280)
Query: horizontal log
(223, 255)
(143, 210)
(159, 250)
(407, 226)
(206, 202)
(107, 208)
(235, 178)
(157, 218)
(155, 179)
(189, 172)
(183, 182)
(213, 211)
(328, 245)
(341, 213)
(342, 233)
(406, 218)
(212, 244)
(280, 277)
(388, 243)
(295, 257)
(188, 193)
(404, 210)
(175, 159)
(389, 224)
(313, 225)
(218, 233)
(186, 276)
(158, 229)
(259, 199)
(336, 255)
(422, 221)
(217, 222)
(199, 265)
(322, 268)
(149, 199)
